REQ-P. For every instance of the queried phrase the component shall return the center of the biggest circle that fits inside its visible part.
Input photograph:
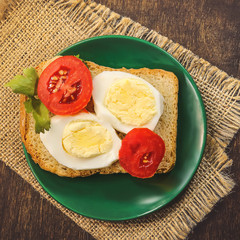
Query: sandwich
(116, 121)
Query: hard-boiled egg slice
(82, 141)
(126, 101)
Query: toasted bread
(165, 82)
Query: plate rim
(204, 133)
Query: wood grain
(211, 29)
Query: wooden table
(211, 29)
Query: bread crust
(41, 156)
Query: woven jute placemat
(33, 31)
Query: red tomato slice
(141, 152)
(65, 86)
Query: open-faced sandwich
(79, 118)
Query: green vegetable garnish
(26, 84)
(78, 56)
(40, 114)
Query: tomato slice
(141, 152)
(65, 86)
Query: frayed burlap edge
(177, 220)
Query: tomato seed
(54, 78)
(61, 72)
(54, 90)
(53, 81)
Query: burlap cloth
(33, 31)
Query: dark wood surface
(211, 29)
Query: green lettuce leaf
(40, 114)
(25, 84)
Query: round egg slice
(82, 141)
(126, 101)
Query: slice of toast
(165, 82)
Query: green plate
(120, 196)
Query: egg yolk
(86, 138)
(131, 101)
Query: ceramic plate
(120, 196)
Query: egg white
(101, 84)
(52, 140)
